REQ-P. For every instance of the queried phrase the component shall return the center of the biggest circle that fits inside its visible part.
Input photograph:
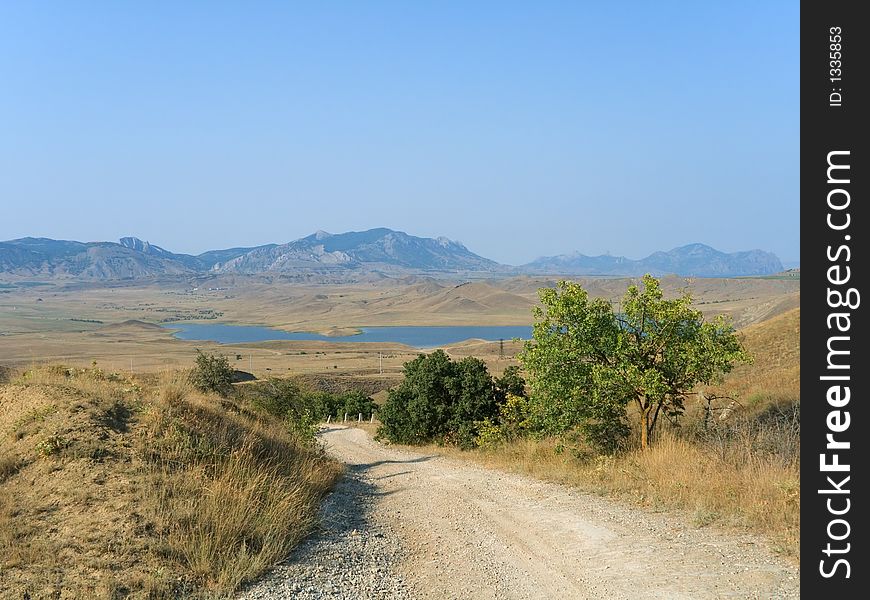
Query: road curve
(457, 530)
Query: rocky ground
(351, 556)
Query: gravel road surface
(409, 525)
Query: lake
(419, 337)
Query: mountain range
(381, 249)
(692, 260)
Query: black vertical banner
(835, 369)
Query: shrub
(511, 383)
(356, 402)
(50, 446)
(284, 398)
(279, 397)
(324, 404)
(440, 400)
(212, 373)
(512, 423)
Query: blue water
(419, 337)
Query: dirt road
(441, 528)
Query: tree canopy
(587, 362)
(443, 400)
(212, 373)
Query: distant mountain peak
(356, 249)
(690, 260)
(134, 243)
(447, 242)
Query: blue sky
(520, 129)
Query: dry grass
(247, 492)
(115, 486)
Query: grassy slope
(775, 373)
(113, 486)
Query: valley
(119, 322)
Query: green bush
(355, 403)
(445, 401)
(324, 404)
(511, 383)
(303, 410)
(279, 397)
(212, 373)
(512, 423)
(285, 399)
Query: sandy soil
(469, 532)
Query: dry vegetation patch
(112, 486)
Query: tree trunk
(644, 428)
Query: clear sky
(521, 129)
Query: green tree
(587, 363)
(212, 373)
(474, 399)
(439, 399)
(356, 402)
(511, 383)
(420, 407)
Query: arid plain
(121, 325)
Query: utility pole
(251, 363)
(381, 363)
(131, 366)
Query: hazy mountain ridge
(372, 251)
(357, 248)
(692, 260)
(44, 257)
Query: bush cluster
(445, 401)
(592, 370)
(301, 409)
(512, 423)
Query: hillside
(774, 375)
(132, 258)
(112, 486)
